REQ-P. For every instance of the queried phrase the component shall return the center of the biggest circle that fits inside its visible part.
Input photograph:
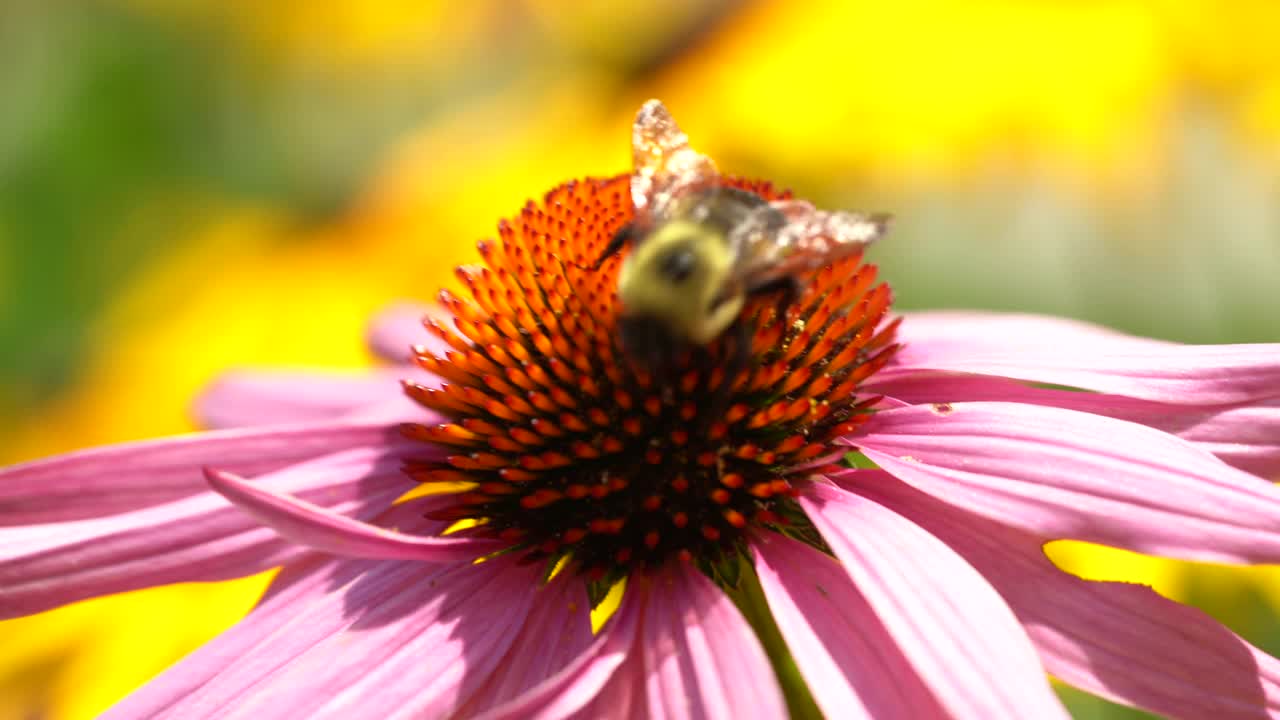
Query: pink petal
(318, 528)
(248, 398)
(701, 658)
(197, 538)
(567, 692)
(624, 697)
(677, 648)
(122, 478)
(1181, 374)
(956, 631)
(852, 666)
(311, 581)
(1065, 474)
(556, 633)
(397, 328)
(1244, 436)
(348, 638)
(1120, 641)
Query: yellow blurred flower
(929, 89)
(938, 90)
(336, 32)
(589, 30)
(460, 174)
(1224, 47)
(75, 661)
(923, 89)
(1261, 116)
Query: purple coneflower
(556, 470)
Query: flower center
(572, 451)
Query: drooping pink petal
(197, 538)
(248, 398)
(853, 667)
(1120, 641)
(1244, 436)
(322, 529)
(398, 327)
(555, 634)
(1179, 374)
(353, 638)
(1065, 474)
(950, 624)
(306, 581)
(130, 476)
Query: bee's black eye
(677, 265)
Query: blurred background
(189, 185)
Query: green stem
(748, 595)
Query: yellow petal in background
(76, 661)
(1261, 117)
(336, 33)
(930, 89)
(1098, 562)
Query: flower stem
(748, 595)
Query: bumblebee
(701, 249)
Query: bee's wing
(664, 164)
(791, 236)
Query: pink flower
(914, 590)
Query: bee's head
(679, 278)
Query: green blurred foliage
(98, 120)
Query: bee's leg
(620, 238)
(647, 345)
(738, 362)
(788, 289)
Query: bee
(701, 249)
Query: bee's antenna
(619, 239)
(593, 267)
(883, 221)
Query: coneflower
(573, 452)
(557, 468)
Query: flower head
(574, 450)
(913, 589)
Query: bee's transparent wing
(822, 232)
(664, 164)
(789, 236)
